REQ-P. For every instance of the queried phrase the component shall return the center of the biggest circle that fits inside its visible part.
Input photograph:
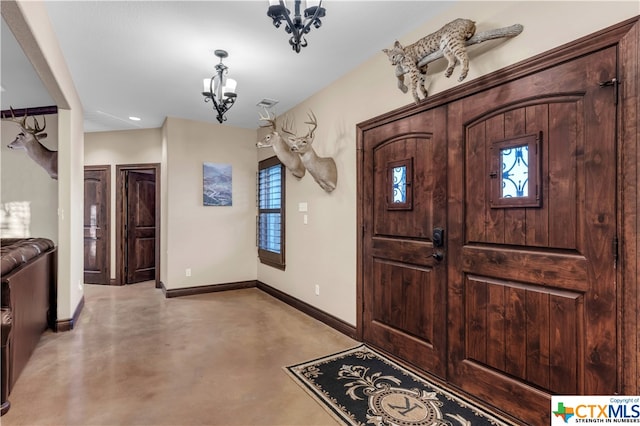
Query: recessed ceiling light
(132, 118)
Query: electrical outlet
(187, 272)
(317, 290)
(305, 219)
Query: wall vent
(267, 103)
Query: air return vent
(267, 103)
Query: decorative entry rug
(360, 386)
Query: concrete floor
(136, 358)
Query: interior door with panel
(404, 266)
(97, 186)
(532, 298)
(140, 228)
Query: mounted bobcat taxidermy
(451, 38)
(28, 139)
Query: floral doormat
(361, 387)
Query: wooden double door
(507, 294)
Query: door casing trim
(121, 170)
(107, 168)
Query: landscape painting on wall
(216, 188)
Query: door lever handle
(438, 256)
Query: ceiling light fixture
(297, 26)
(219, 89)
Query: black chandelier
(296, 26)
(219, 89)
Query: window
(515, 172)
(399, 190)
(271, 205)
(399, 184)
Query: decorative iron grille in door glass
(400, 184)
(515, 171)
(400, 176)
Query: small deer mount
(274, 140)
(323, 169)
(450, 42)
(29, 140)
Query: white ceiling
(148, 58)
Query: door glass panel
(399, 177)
(515, 171)
(400, 184)
(514, 166)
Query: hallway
(137, 358)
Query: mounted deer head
(323, 169)
(28, 139)
(273, 139)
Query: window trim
(534, 198)
(408, 165)
(275, 260)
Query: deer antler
(271, 122)
(286, 127)
(313, 122)
(22, 122)
(37, 129)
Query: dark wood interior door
(404, 274)
(96, 224)
(140, 226)
(532, 299)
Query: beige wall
(32, 29)
(216, 243)
(23, 181)
(119, 148)
(123, 147)
(164, 209)
(324, 251)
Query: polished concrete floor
(136, 358)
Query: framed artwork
(216, 184)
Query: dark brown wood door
(96, 224)
(404, 284)
(140, 229)
(532, 300)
